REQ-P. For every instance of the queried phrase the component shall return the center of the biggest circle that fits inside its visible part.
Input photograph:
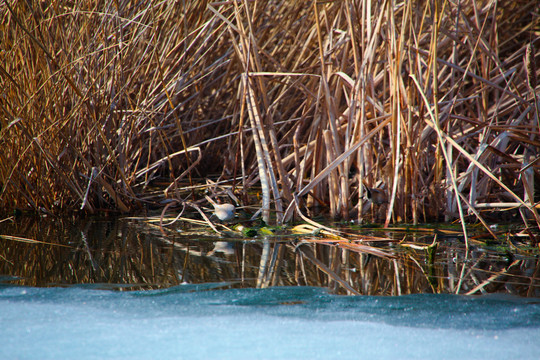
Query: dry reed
(429, 100)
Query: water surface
(137, 254)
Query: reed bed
(432, 105)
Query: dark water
(131, 254)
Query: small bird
(377, 196)
(224, 212)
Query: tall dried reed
(432, 102)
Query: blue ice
(200, 322)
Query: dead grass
(434, 102)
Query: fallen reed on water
(119, 105)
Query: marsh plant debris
(132, 254)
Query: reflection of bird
(224, 212)
(377, 196)
(225, 247)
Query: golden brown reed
(428, 100)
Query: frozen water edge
(77, 323)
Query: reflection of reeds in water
(429, 99)
(117, 254)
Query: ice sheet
(186, 322)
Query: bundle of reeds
(432, 101)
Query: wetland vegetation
(364, 112)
